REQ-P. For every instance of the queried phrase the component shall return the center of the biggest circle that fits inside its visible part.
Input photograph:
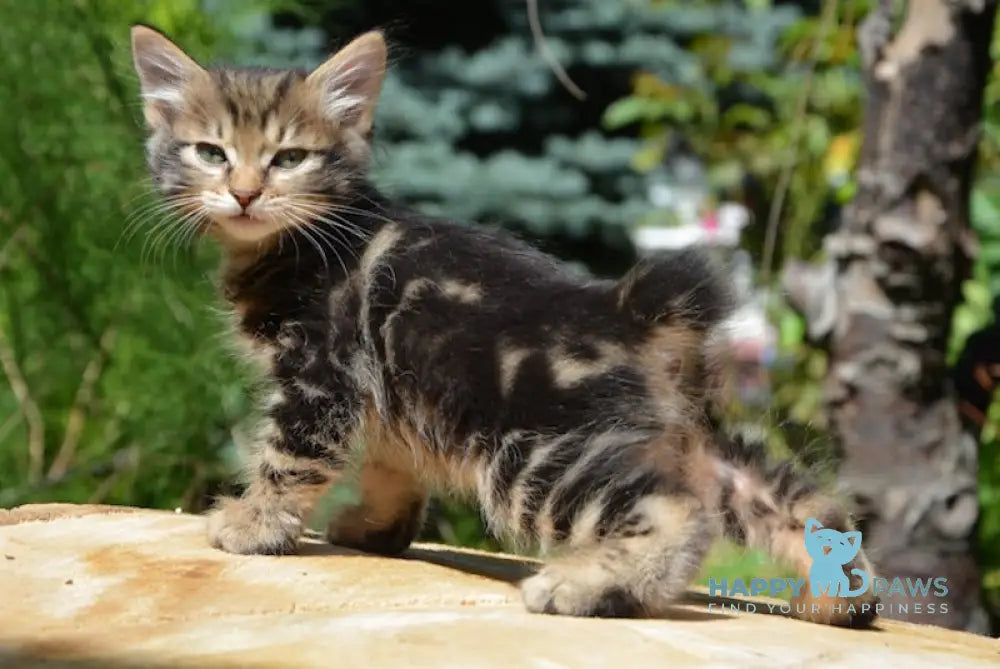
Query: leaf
(743, 115)
(791, 329)
(977, 294)
(650, 155)
(625, 112)
(985, 210)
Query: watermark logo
(831, 550)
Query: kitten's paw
(857, 612)
(550, 591)
(362, 530)
(238, 527)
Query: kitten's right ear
(349, 81)
(812, 525)
(164, 72)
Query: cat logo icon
(830, 551)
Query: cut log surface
(117, 587)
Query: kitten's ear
(349, 81)
(812, 525)
(164, 72)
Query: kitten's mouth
(246, 228)
(243, 221)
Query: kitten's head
(250, 152)
(830, 546)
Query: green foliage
(129, 394)
(976, 312)
(762, 94)
(491, 135)
(729, 561)
(989, 495)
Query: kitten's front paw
(550, 591)
(238, 527)
(858, 612)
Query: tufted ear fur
(349, 82)
(164, 73)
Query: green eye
(210, 153)
(288, 158)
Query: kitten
(447, 357)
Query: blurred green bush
(123, 389)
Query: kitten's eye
(289, 158)
(210, 153)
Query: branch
(542, 45)
(119, 459)
(15, 378)
(81, 401)
(29, 409)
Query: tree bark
(900, 257)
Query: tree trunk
(899, 258)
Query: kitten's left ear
(853, 538)
(164, 72)
(812, 525)
(349, 81)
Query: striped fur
(455, 358)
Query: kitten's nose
(244, 197)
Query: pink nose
(244, 197)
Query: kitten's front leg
(303, 452)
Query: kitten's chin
(245, 230)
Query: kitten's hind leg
(632, 567)
(390, 514)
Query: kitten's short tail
(686, 285)
(761, 495)
(766, 503)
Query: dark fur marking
(696, 293)
(783, 476)
(283, 477)
(732, 525)
(622, 499)
(599, 474)
(539, 481)
(760, 509)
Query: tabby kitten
(576, 410)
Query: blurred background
(736, 124)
